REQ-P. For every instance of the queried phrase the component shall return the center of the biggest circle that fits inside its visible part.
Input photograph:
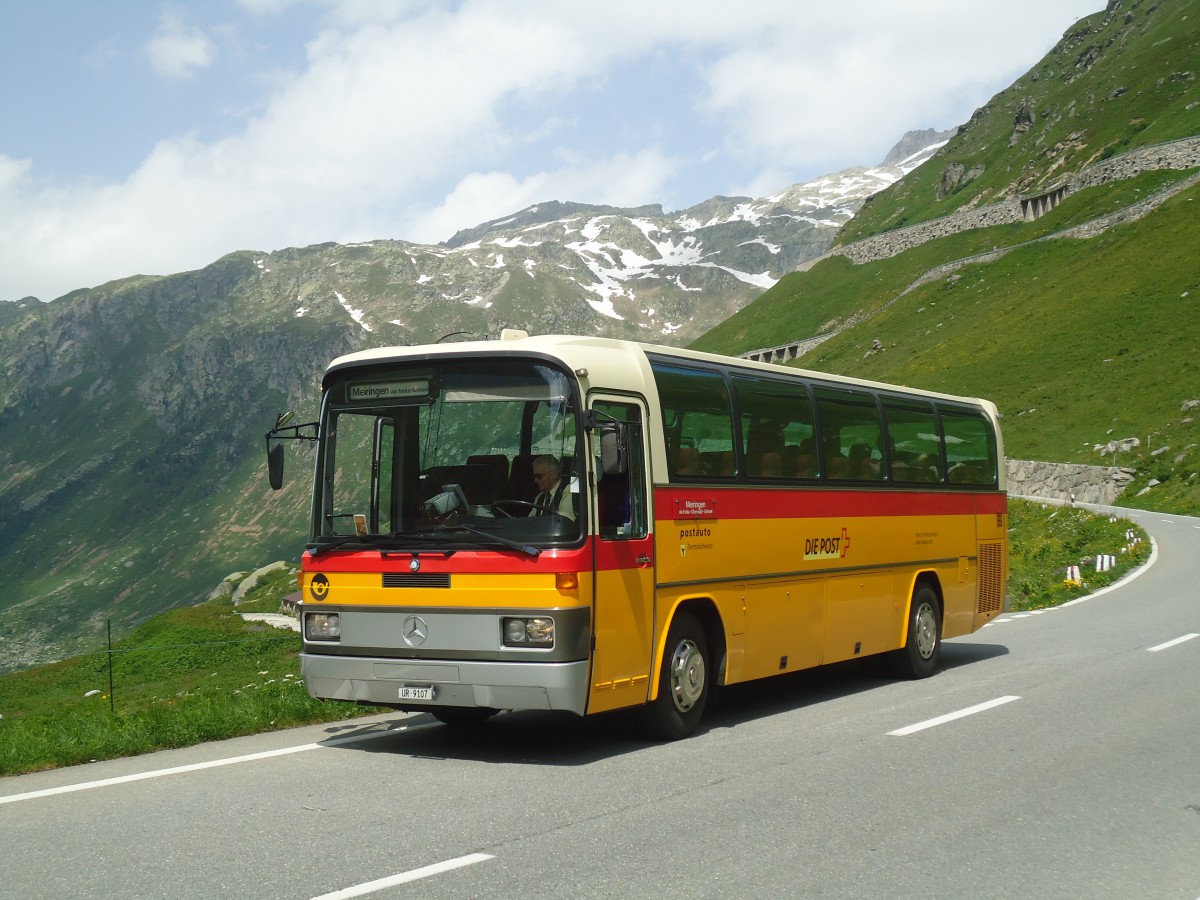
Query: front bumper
(460, 683)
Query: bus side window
(853, 434)
(970, 446)
(697, 401)
(914, 441)
(777, 432)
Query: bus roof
(608, 360)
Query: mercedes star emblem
(414, 631)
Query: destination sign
(388, 390)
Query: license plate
(416, 693)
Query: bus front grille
(416, 579)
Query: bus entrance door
(623, 612)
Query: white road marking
(1178, 640)
(194, 767)
(950, 717)
(370, 887)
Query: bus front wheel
(923, 645)
(682, 681)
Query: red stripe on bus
(692, 503)
(473, 562)
(609, 555)
(713, 503)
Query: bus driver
(554, 492)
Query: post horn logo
(319, 586)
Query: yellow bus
(697, 521)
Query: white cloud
(849, 78)
(265, 7)
(178, 50)
(13, 172)
(412, 120)
(483, 196)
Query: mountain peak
(916, 147)
(542, 214)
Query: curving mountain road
(1055, 754)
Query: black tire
(683, 682)
(922, 649)
(462, 716)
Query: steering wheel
(498, 506)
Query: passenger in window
(929, 467)
(800, 462)
(555, 493)
(839, 466)
(688, 461)
(764, 450)
(862, 467)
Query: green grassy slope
(1117, 80)
(195, 674)
(834, 293)
(1079, 342)
(1074, 338)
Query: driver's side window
(622, 498)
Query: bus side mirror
(614, 456)
(275, 467)
(305, 432)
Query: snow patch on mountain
(357, 315)
(581, 268)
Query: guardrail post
(112, 701)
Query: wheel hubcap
(687, 675)
(926, 631)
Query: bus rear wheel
(682, 681)
(918, 658)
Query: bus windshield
(446, 453)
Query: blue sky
(150, 138)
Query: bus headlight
(534, 631)
(322, 627)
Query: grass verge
(191, 675)
(1046, 540)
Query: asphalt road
(1053, 755)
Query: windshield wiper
(502, 541)
(316, 549)
(424, 534)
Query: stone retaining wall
(890, 243)
(1067, 481)
(1181, 154)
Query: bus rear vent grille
(991, 577)
(416, 579)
